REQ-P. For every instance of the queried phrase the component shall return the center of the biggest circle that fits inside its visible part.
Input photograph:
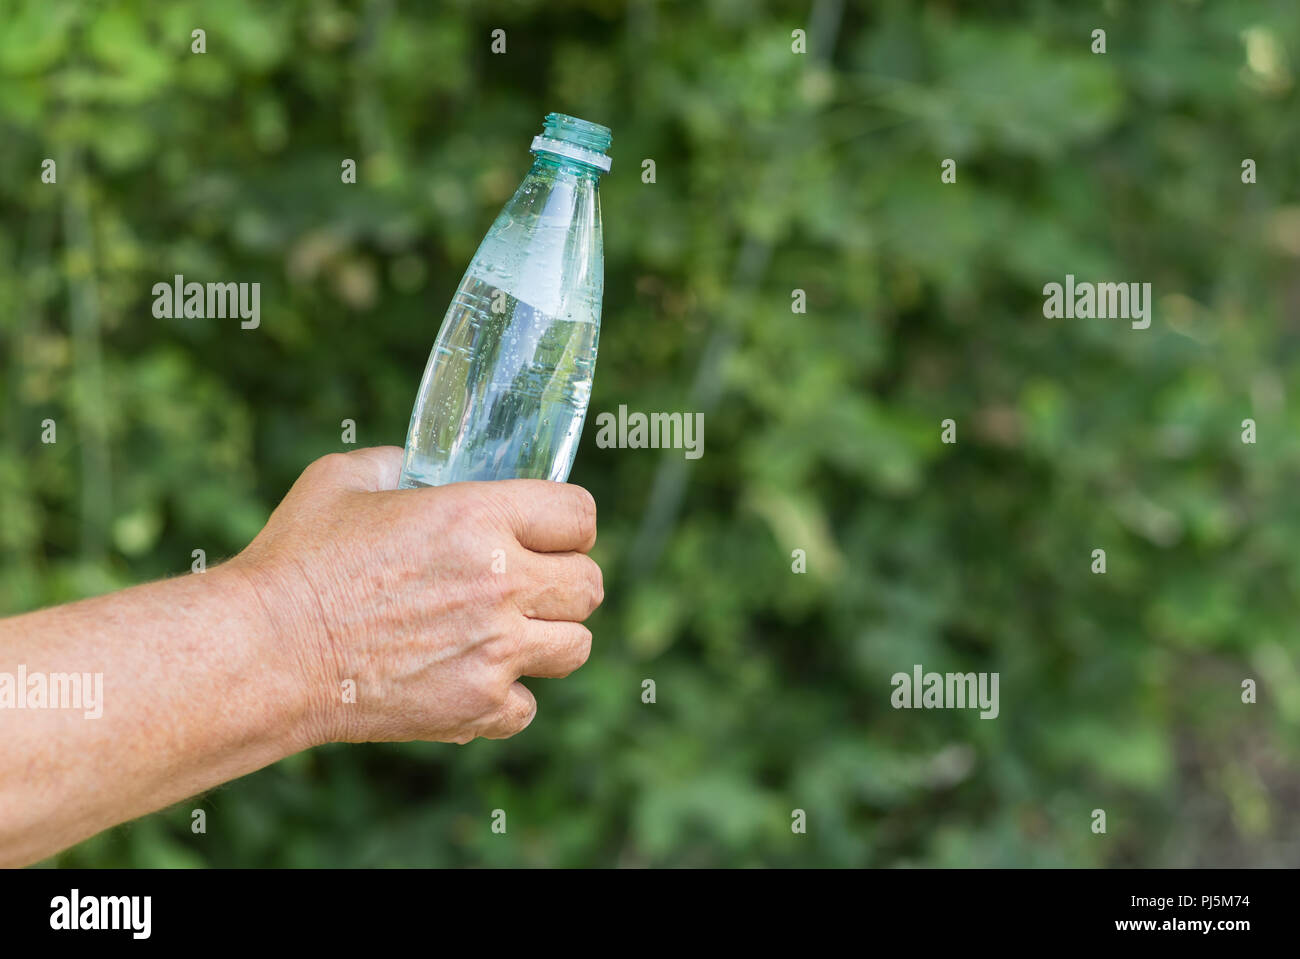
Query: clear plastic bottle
(505, 391)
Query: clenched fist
(432, 602)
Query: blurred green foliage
(775, 171)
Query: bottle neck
(549, 164)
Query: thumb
(374, 468)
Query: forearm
(198, 688)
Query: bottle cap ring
(572, 151)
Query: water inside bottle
(505, 393)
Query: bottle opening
(576, 139)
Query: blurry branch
(88, 399)
(706, 390)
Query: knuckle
(522, 711)
(331, 464)
(513, 717)
(504, 652)
(468, 511)
(516, 583)
(582, 649)
(489, 588)
(594, 584)
(585, 510)
(571, 654)
(486, 504)
(494, 508)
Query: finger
(560, 586)
(366, 470)
(376, 467)
(514, 715)
(553, 650)
(546, 517)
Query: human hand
(433, 602)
